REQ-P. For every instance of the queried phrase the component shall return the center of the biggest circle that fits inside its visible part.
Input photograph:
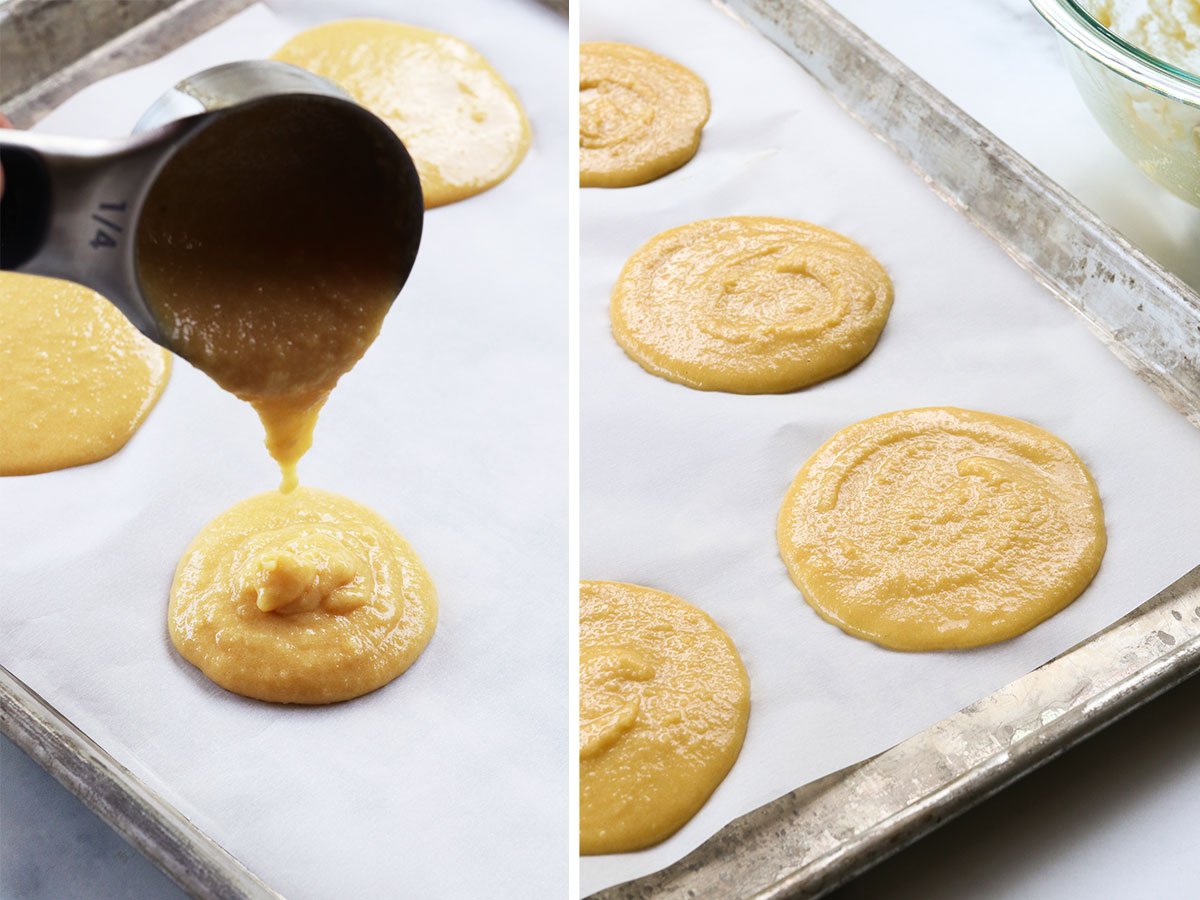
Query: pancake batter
(304, 597)
(663, 705)
(273, 291)
(76, 378)
(462, 124)
(640, 114)
(749, 304)
(941, 528)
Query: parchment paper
(680, 488)
(451, 781)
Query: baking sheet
(680, 488)
(451, 781)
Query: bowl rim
(1081, 29)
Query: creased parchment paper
(680, 488)
(451, 781)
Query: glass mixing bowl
(1149, 108)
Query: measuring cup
(72, 208)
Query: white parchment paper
(451, 781)
(680, 488)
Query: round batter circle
(304, 597)
(941, 528)
(76, 378)
(640, 114)
(749, 304)
(663, 704)
(460, 121)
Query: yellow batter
(273, 292)
(304, 597)
(462, 124)
(640, 115)
(76, 378)
(750, 305)
(663, 705)
(941, 528)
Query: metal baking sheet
(102, 46)
(812, 839)
(808, 842)
(452, 427)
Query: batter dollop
(749, 304)
(941, 528)
(462, 124)
(304, 597)
(640, 114)
(663, 705)
(76, 378)
(276, 284)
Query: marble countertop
(1113, 818)
(1001, 62)
(54, 847)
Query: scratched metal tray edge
(814, 839)
(146, 41)
(166, 837)
(149, 39)
(158, 830)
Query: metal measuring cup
(72, 207)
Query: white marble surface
(1114, 818)
(1001, 62)
(53, 847)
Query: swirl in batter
(663, 705)
(941, 528)
(640, 115)
(304, 597)
(750, 305)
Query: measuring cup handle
(50, 187)
(24, 206)
(70, 209)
